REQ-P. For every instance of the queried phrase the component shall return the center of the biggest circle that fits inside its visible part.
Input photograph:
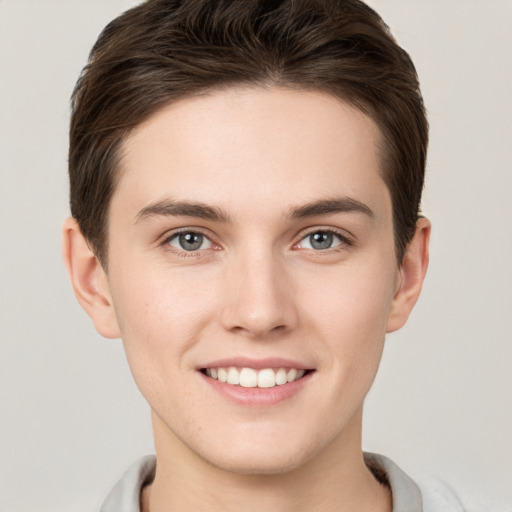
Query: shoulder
(438, 495)
(423, 494)
(125, 496)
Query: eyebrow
(167, 208)
(200, 210)
(330, 206)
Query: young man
(245, 187)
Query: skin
(256, 288)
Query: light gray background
(71, 420)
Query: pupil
(321, 240)
(191, 241)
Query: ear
(412, 273)
(89, 280)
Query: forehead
(235, 145)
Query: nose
(259, 301)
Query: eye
(189, 241)
(321, 240)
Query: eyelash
(344, 241)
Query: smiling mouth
(251, 378)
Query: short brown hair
(165, 50)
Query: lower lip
(258, 397)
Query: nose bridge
(258, 293)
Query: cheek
(161, 314)
(350, 300)
(349, 314)
(160, 304)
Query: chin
(258, 463)
(259, 457)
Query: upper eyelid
(344, 234)
(168, 235)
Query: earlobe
(89, 280)
(412, 274)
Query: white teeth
(266, 378)
(248, 378)
(222, 374)
(281, 377)
(291, 375)
(251, 378)
(233, 376)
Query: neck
(335, 480)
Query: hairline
(358, 104)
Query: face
(251, 239)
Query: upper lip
(257, 364)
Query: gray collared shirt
(407, 496)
